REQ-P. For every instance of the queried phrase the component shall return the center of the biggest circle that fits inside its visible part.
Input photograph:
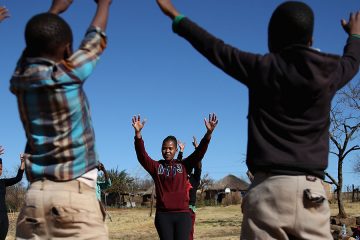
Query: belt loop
(310, 178)
(80, 190)
(42, 185)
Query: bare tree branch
(332, 179)
(336, 143)
(354, 148)
(336, 154)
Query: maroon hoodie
(170, 177)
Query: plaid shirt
(55, 112)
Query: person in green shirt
(102, 184)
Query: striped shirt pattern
(55, 112)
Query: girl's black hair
(170, 138)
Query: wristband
(177, 19)
(176, 22)
(355, 35)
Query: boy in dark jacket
(172, 220)
(290, 93)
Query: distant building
(148, 195)
(228, 190)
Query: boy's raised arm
(22, 161)
(350, 60)
(59, 6)
(352, 27)
(4, 13)
(238, 64)
(168, 8)
(102, 14)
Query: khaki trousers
(285, 207)
(61, 210)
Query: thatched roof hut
(230, 181)
(229, 184)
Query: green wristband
(355, 35)
(192, 207)
(177, 19)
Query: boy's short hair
(170, 138)
(291, 23)
(46, 32)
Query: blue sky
(149, 70)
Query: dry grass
(352, 209)
(218, 223)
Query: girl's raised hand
(211, 123)
(4, 13)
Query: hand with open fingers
(4, 13)
(137, 123)
(22, 157)
(211, 123)
(2, 150)
(353, 25)
(181, 146)
(168, 8)
(194, 142)
(101, 167)
(59, 6)
(22, 160)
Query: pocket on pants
(74, 207)
(31, 221)
(71, 215)
(314, 198)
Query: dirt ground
(217, 223)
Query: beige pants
(58, 210)
(285, 207)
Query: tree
(121, 183)
(345, 125)
(142, 184)
(205, 182)
(15, 197)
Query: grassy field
(218, 223)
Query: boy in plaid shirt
(61, 157)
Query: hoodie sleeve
(149, 165)
(238, 64)
(350, 61)
(198, 154)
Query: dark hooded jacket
(290, 95)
